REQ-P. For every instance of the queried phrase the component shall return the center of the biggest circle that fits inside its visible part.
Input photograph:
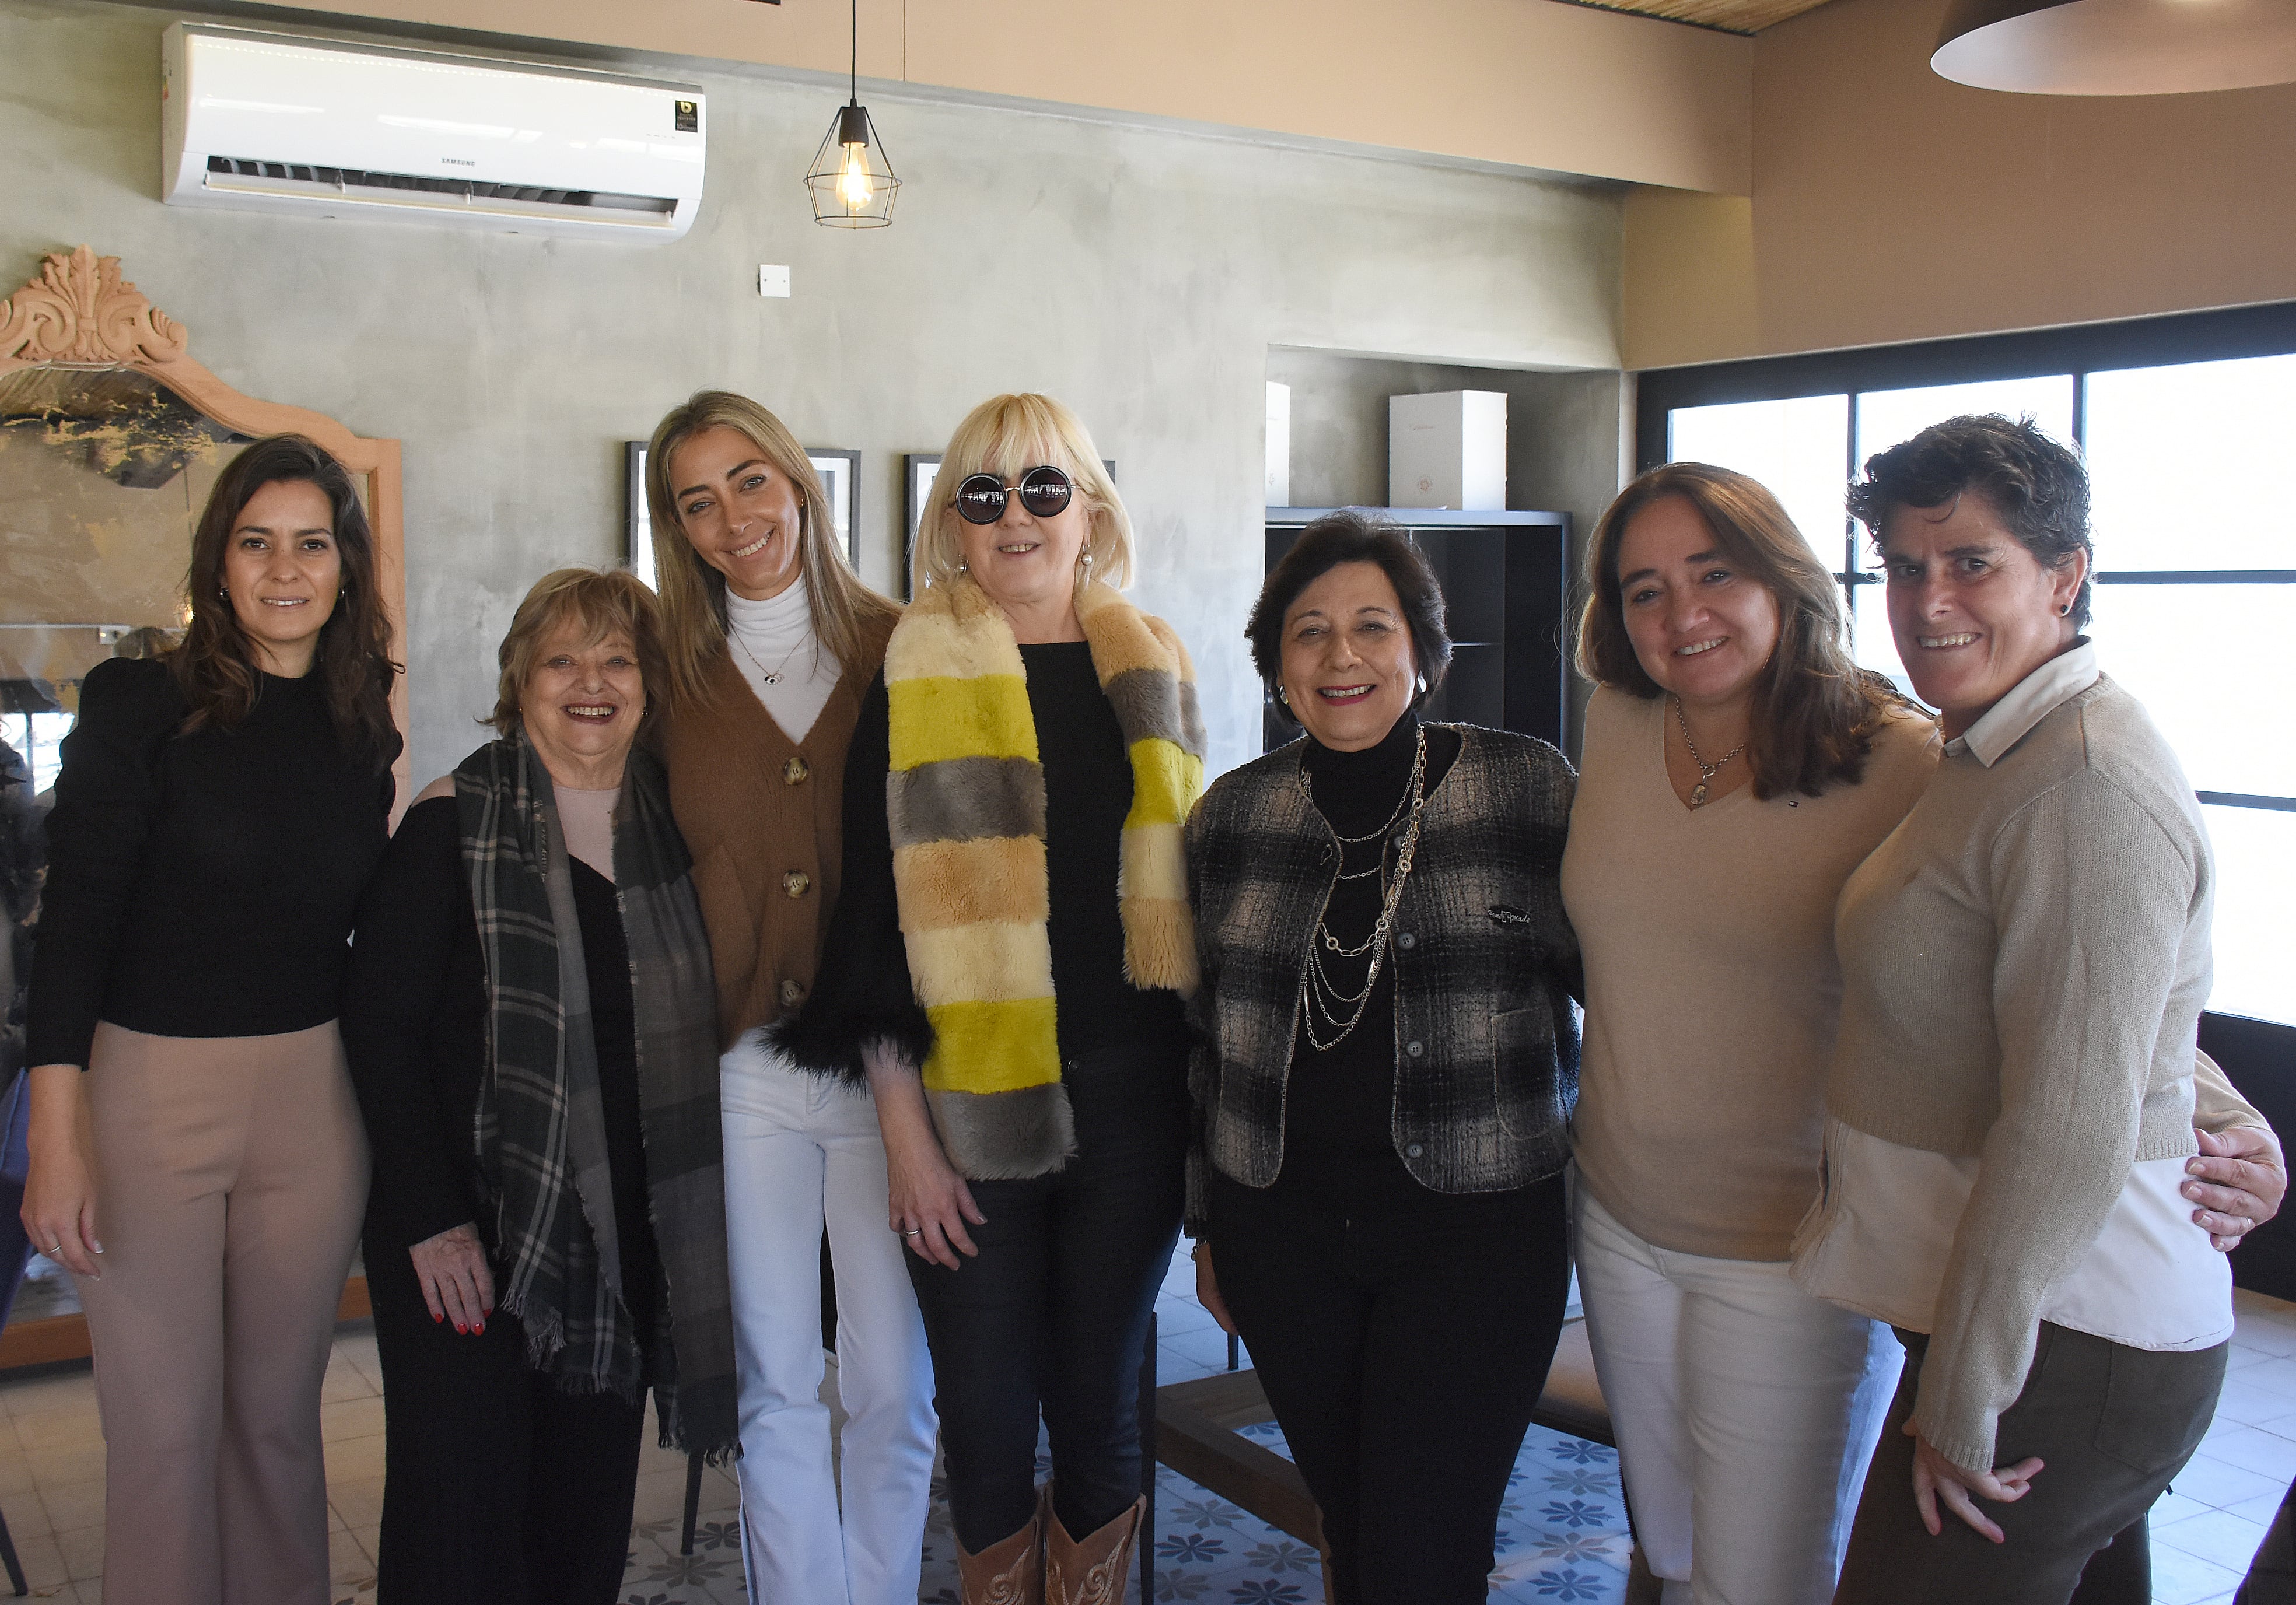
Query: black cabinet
(1505, 586)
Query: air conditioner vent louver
(351, 178)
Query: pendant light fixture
(2117, 46)
(851, 177)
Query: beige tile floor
(52, 1481)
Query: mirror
(102, 475)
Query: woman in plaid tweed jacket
(1385, 1201)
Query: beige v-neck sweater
(1712, 991)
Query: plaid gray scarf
(539, 1127)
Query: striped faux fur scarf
(965, 798)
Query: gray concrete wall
(1140, 274)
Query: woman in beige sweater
(1736, 767)
(2010, 1100)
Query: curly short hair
(2036, 483)
(1349, 536)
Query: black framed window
(2181, 419)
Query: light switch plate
(773, 279)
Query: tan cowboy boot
(1009, 1572)
(1090, 1571)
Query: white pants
(1745, 1411)
(802, 1151)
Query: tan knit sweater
(1711, 988)
(2024, 963)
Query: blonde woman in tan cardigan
(771, 640)
(2009, 1142)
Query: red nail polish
(440, 1317)
(480, 1330)
(462, 1329)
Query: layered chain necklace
(1324, 1005)
(1706, 771)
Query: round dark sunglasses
(1044, 491)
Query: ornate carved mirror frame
(80, 314)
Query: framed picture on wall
(637, 527)
(840, 477)
(918, 471)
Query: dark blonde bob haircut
(1815, 711)
(590, 605)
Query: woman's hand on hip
(2237, 1182)
(458, 1284)
(1937, 1478)
(59, 1212)
(1207, 1293)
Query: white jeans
(1745, 1411)
(802, 1151)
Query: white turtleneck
(776, 638)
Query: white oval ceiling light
(2117, 46)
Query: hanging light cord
(853, 62)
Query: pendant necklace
(1706, 771)
(773, 675)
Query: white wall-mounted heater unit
(269, 122)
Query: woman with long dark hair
(197, 1159)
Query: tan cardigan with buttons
(761, 816)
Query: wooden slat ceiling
(1735, 16)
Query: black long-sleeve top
(199, 885)
(1342, 1104)
(415, 1029)
(864, 992)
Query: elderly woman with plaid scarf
(1386, 1062)
(531, 1023)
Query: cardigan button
(1406, 940)
(795, 771)
(797, 883)
(1415, 1049)
(793, 993)
(1415, 1150)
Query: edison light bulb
(853, 186)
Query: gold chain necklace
(1706, 771)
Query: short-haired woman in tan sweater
(1736, 767)
(770, 641)
(2008, 1143)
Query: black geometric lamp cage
(852, 179)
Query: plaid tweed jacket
(1485, 964)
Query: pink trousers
(231, 1177)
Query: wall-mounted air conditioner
(268, 122)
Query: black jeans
(2111, 1425)
(1403, 1337)
(1053, 1314)
(498, 1489)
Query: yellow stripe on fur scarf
(965, 798)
